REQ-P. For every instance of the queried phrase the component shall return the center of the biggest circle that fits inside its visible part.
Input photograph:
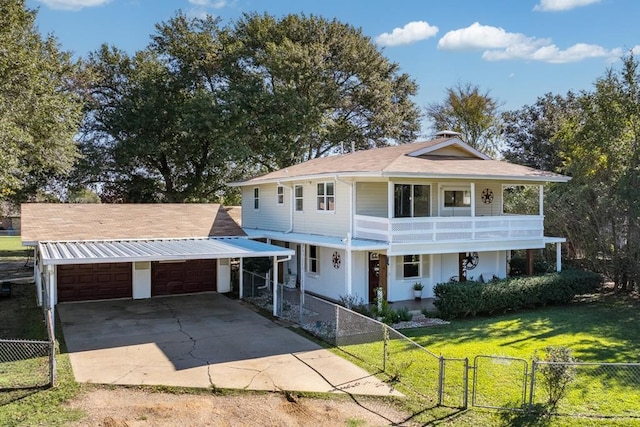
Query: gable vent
(443, 134)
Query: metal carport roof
(104, 251)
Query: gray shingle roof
(75, 221)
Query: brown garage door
(170, 278)
(85, 282)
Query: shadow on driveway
(201, 340)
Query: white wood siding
(334, 223)
(489, 209)
(328, 281)
(270, 215)
(371, 199)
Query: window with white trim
(298, 197)
(457, 198)
(411, 200)
(326, 196)
(280, 195)
(256, 198)
(410, 266)
(313, 259)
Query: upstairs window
(326, 196)
(280, 195)
(298, 197)
(256, 198)
(457, 198)
(411, 200)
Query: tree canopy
(307, 87)
(470, 112)
(594, 138)
(530, 131)
(39, 114)
(203, 105)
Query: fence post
(337, 308)
(533, 382)
(52, 349)
(441, 381)
(465, 399)
(385, 336)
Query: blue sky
(517, 50)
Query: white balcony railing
(449, 229)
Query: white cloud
(410, 33)
(500, 45)
(561, 5)
(213, 4)
(73, 4)
(478, 37)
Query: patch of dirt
(128, 407)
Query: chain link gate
(499, 382)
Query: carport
(120, 266)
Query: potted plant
(417, 290)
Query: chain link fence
(593, 389)
(426, 380)
(500, 382)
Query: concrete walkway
(203, 340)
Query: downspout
(291, 207)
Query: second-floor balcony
(449, 229)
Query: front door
(377, 275)
(374, 275)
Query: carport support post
(275, 286)
(558, 257)
(241, 279)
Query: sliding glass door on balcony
(411, 200)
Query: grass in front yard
(11, 247)
(602, 331)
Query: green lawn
(600, 331)
(11, 247)
(603, 331)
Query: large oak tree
(39, 114)
(203, 105)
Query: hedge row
(460, 299)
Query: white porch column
(541, 199)
(558, 257)
(37, 277)
(473, 200)
(275, 285)
(50, 282)
(303, 271)
(241, 279)
(347, 266)
(390, 208)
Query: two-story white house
(390, 217)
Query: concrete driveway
(201, 340)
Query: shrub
(460, 299)
(404, 314)
(556, 376)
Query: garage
(183, 277)
(82, 282)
